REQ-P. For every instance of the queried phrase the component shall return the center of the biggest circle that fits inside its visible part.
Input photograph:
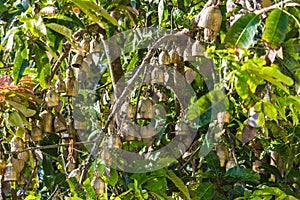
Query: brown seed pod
(174, 56)
(197, 49)
(223, 117)
(59, 123)
(24, 156)
(71, 164)
(18, 164)
(85, 44)
(230, 164)
(211, 18)
(36, 133)
(77, 60)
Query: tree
(149, 100)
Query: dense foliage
(244, 111)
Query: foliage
(255, 60)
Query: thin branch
(277, 5)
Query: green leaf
(207, 106)
(76, 188)
(209, 140)
(90, 190)
(241, 85)
(36, 27)
(275, 29)
(19, 65)
(15, 119)
(61, 30)
(178, 183)
(242, 32)
(20, 107)
(206, 191)
(269, 109)
(114, 177)
(271, 169)
(242, 174)
(274, 72)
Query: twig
(31, 176)
(277, 5)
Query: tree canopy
(160, 99)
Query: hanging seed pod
(182, 128)
(230, 164)
(85, 44)
(59, 123)
(211, 18)
(174, 56)
(36, 133)
(98, 184)
(16, 144)
(114, 142)
(157, 75)
(47, 120)
(60, 85)
(105, 155)
(77, 59)
(222, 153)
(10, 173)
(71, 84)
(164, 58)
(129, 131)
(197, 49)
(209, 35)
(52, 98)
(145, 108)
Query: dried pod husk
(10, 174)
(98, 184)
(77, 60)
(209, 35)
(174, 56)
(222, 153)
(47, 121)
(59, 124)
(211, 18)
(164, 58)
(197, 49)
(60, 85)
(24, 156)
(16, 144)
(71, 84)
(157, 75)
(230, 164)
(36, 133)
(52, 98)
(145, 107)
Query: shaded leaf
(206, 191)
(241, 174)
(25, 111)
(61, 30)
(275, 29)
(242, 32)
(15, 119)
(178, 183)
(248, 133)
